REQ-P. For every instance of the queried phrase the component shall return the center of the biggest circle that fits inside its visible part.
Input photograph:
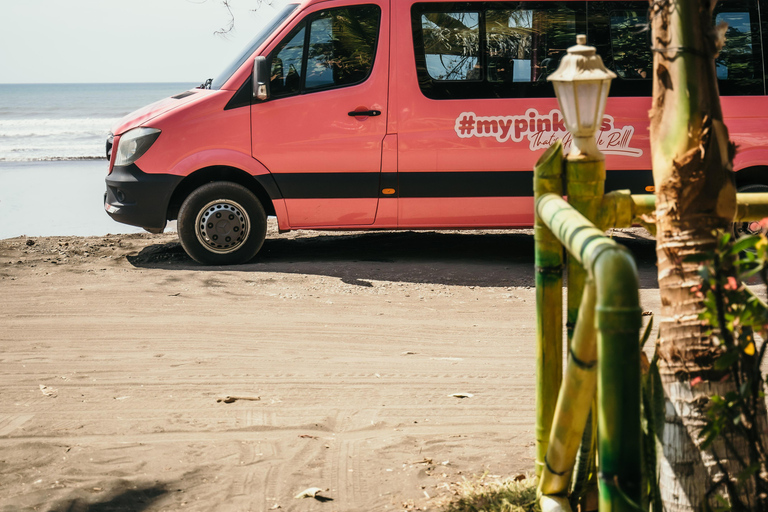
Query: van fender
(757, 157)
(238, 160)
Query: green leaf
(744, 243)
(726, 360)
(647, 333)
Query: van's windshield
(255, 43)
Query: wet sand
(55, 198)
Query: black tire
(748, 228)
(222, 223)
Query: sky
(112, 41)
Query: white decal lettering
(543, 130)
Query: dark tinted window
(507, 49)
(627, 49)
(631, 44)
(332, 48)
(739, 66)
(477, 50)
(286, 64)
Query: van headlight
(135, 143)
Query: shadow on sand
(451, 258)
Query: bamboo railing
(604, 353)
(603, 326)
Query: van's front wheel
(222, 223)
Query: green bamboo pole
(585, 178)
(617, 210)
(752, 206)
(574, 401)
(618, 322)
(619, 319)
(549, 302)
(554, 504)
(585, 466)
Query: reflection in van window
(338, 51)
(452, 45)
(735, 60)
(342, 44)
(628, 51)
(509, 45)
(479, 53)
(286, 66)
(631, 44)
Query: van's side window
(631, 44)
(287, 67)
(509, 38)
(492, 49)
(332, 48)
(621, 34)
(739, 65)
(452, 45)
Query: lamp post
(581, 85)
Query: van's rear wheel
(222, 223)
(749, 228)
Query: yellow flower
(750, 349)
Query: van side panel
(468, 139)
(386, 215)
(326, 162)
(747, 124)
(462, 163)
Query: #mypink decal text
(543, 130)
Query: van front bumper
(139, 199)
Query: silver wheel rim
(748, 228)
(222, 226)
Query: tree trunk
(695, 194)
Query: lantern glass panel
(587, 94)
(606, 85)
(567, 99)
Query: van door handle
(370, 113)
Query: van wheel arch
(213, 174)
(751, 179)
(757, 175)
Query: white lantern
(581, 84)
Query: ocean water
(43, 122)
(52, 154)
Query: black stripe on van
(433, 184)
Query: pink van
(404, 114)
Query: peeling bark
(695, 195)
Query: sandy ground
(345, 349)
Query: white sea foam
(55, 127)
(67, 121)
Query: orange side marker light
(650, 188)
(388, 191)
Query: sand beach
(383, 368)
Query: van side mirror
(260, 79)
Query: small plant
(481, 495)
(734, 315)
